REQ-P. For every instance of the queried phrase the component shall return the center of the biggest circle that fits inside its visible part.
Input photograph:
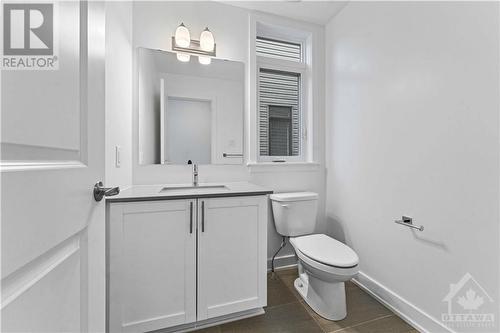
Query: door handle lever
(100, 191)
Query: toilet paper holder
(408, 222)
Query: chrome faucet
(195, 174)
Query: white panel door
(232, 249)
(52, 140)
(152, 260)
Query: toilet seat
(325, 250)
(327, 273)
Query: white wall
(119, 92)
(154, 23)
(412, 128)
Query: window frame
(300, 68)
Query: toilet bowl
(324, 264)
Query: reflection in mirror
(189, 112)
(188, 122)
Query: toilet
(324, 263)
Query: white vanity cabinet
(181, 262)
(232, 238)
(152, 265)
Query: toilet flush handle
(285, 206)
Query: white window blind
(272, 48)
(279, 113)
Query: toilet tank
(295, 213)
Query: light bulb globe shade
(207, 42)
(182, 36)
(183, 57)
(204, 60)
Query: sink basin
(194, 188)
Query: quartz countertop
(183, 191)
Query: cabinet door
(232, 249)
(152, 265)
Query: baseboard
(414, 316)
(282, 262)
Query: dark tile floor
(286, 312)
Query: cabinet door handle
(191, 217)
(203, 216)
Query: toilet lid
(326, 250)
(294, 196)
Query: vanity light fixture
(182, 36)
(205, 48)
(207, 42)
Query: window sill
(283, 166)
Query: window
(279, 116)
(280, 131)
(280, 95)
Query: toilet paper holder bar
(408, 222)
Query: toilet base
(326, 298)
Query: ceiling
(319, 12)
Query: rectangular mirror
(189, 111)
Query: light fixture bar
(193, 48)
